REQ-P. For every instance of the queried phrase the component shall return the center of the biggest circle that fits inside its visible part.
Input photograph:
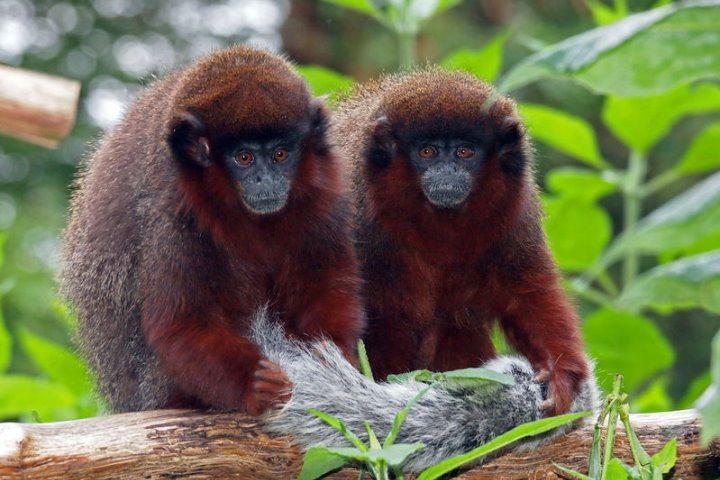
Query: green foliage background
(621, 97)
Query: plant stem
(607, 283)
(612, 425)
(637, 166)
(406, 49)
(589, 293)
(660, 182)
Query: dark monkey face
(446, 167)
(263, 171)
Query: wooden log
(36, 107)
(191, 444)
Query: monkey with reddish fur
(449, 231)
(215, 196)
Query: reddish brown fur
(436, 279)
(165, 251)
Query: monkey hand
(270, 388)
(562, 387)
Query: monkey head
(449, 132)
(247, 117)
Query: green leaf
(364, 361)
(582, 184)
(521, 431)
(625, 343)
(401, 415)
(394, 455)
(63, 312)
(680, 223)
(5, 344)
(694, 391)
(372, 438)
(363, 6)
(484, 63)
(417, 375)
(687, 283)
(617, 470)
(665, 459)
(572, 473)
(627, 117)
(709, 403)
(603, 14)
(655, 398)
(318, 461)
(474, 375)
(567, 223)
(57, 362)
(704, 152)
(340, 426)
(643, 54)
(324, 81)
(567, 133)
(21, 394)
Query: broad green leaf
(680, 223)
(655, 398)
(340, 426)
(364, 361)
(704, 152)
(521, 431)
(318, 461)
(690, 282)
(665, 459)
(364, 6)
(604, 14)
(582, 184)
(640, 122)
(625, 343)
(617, 470)
(324, 81)
(643, 54)
(474, 375)
(5, 343)
(484, 63)
(394, 455)
(21, 394)
(694, 391)
(567, 224)
(569, 134)
(57, 362)
(709, 403)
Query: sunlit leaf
(567, 223)
(655, 398)
(617, 470)
(522, 431)
(57, 362)
(394, 455)
(694, 391)
(690, 282)
(5, 343)
(417, 375)
(642, 54)
(318, 461)
(569, 134)
(665, 459)
(364, 6)
(680, 223)
(709, 403)
(704, 152)
(474, 375)
(484, 63)
(324, 81)
(604, 14)
(582, 184)
(640, 122)
(21, 394)
(340, 426)
(628, 344)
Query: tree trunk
(36, 107)
(191, 444)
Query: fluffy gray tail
(448, 420)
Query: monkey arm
(541, 323)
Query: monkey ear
(513, 156)
(510, 132)
(188, 140)
(319, 117)
(383, 146)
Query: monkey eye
(281, 154)
(428, 151)
(464, 152)
(244, 157)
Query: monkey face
(446, 167)
(263, 172)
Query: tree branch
(178, 443)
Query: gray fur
(448, 420)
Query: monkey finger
(547, 405)
(542, 376)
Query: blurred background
(114, 47)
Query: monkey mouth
(265, 204)
(445, 195)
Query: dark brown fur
(164, 265)
(435, 280)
